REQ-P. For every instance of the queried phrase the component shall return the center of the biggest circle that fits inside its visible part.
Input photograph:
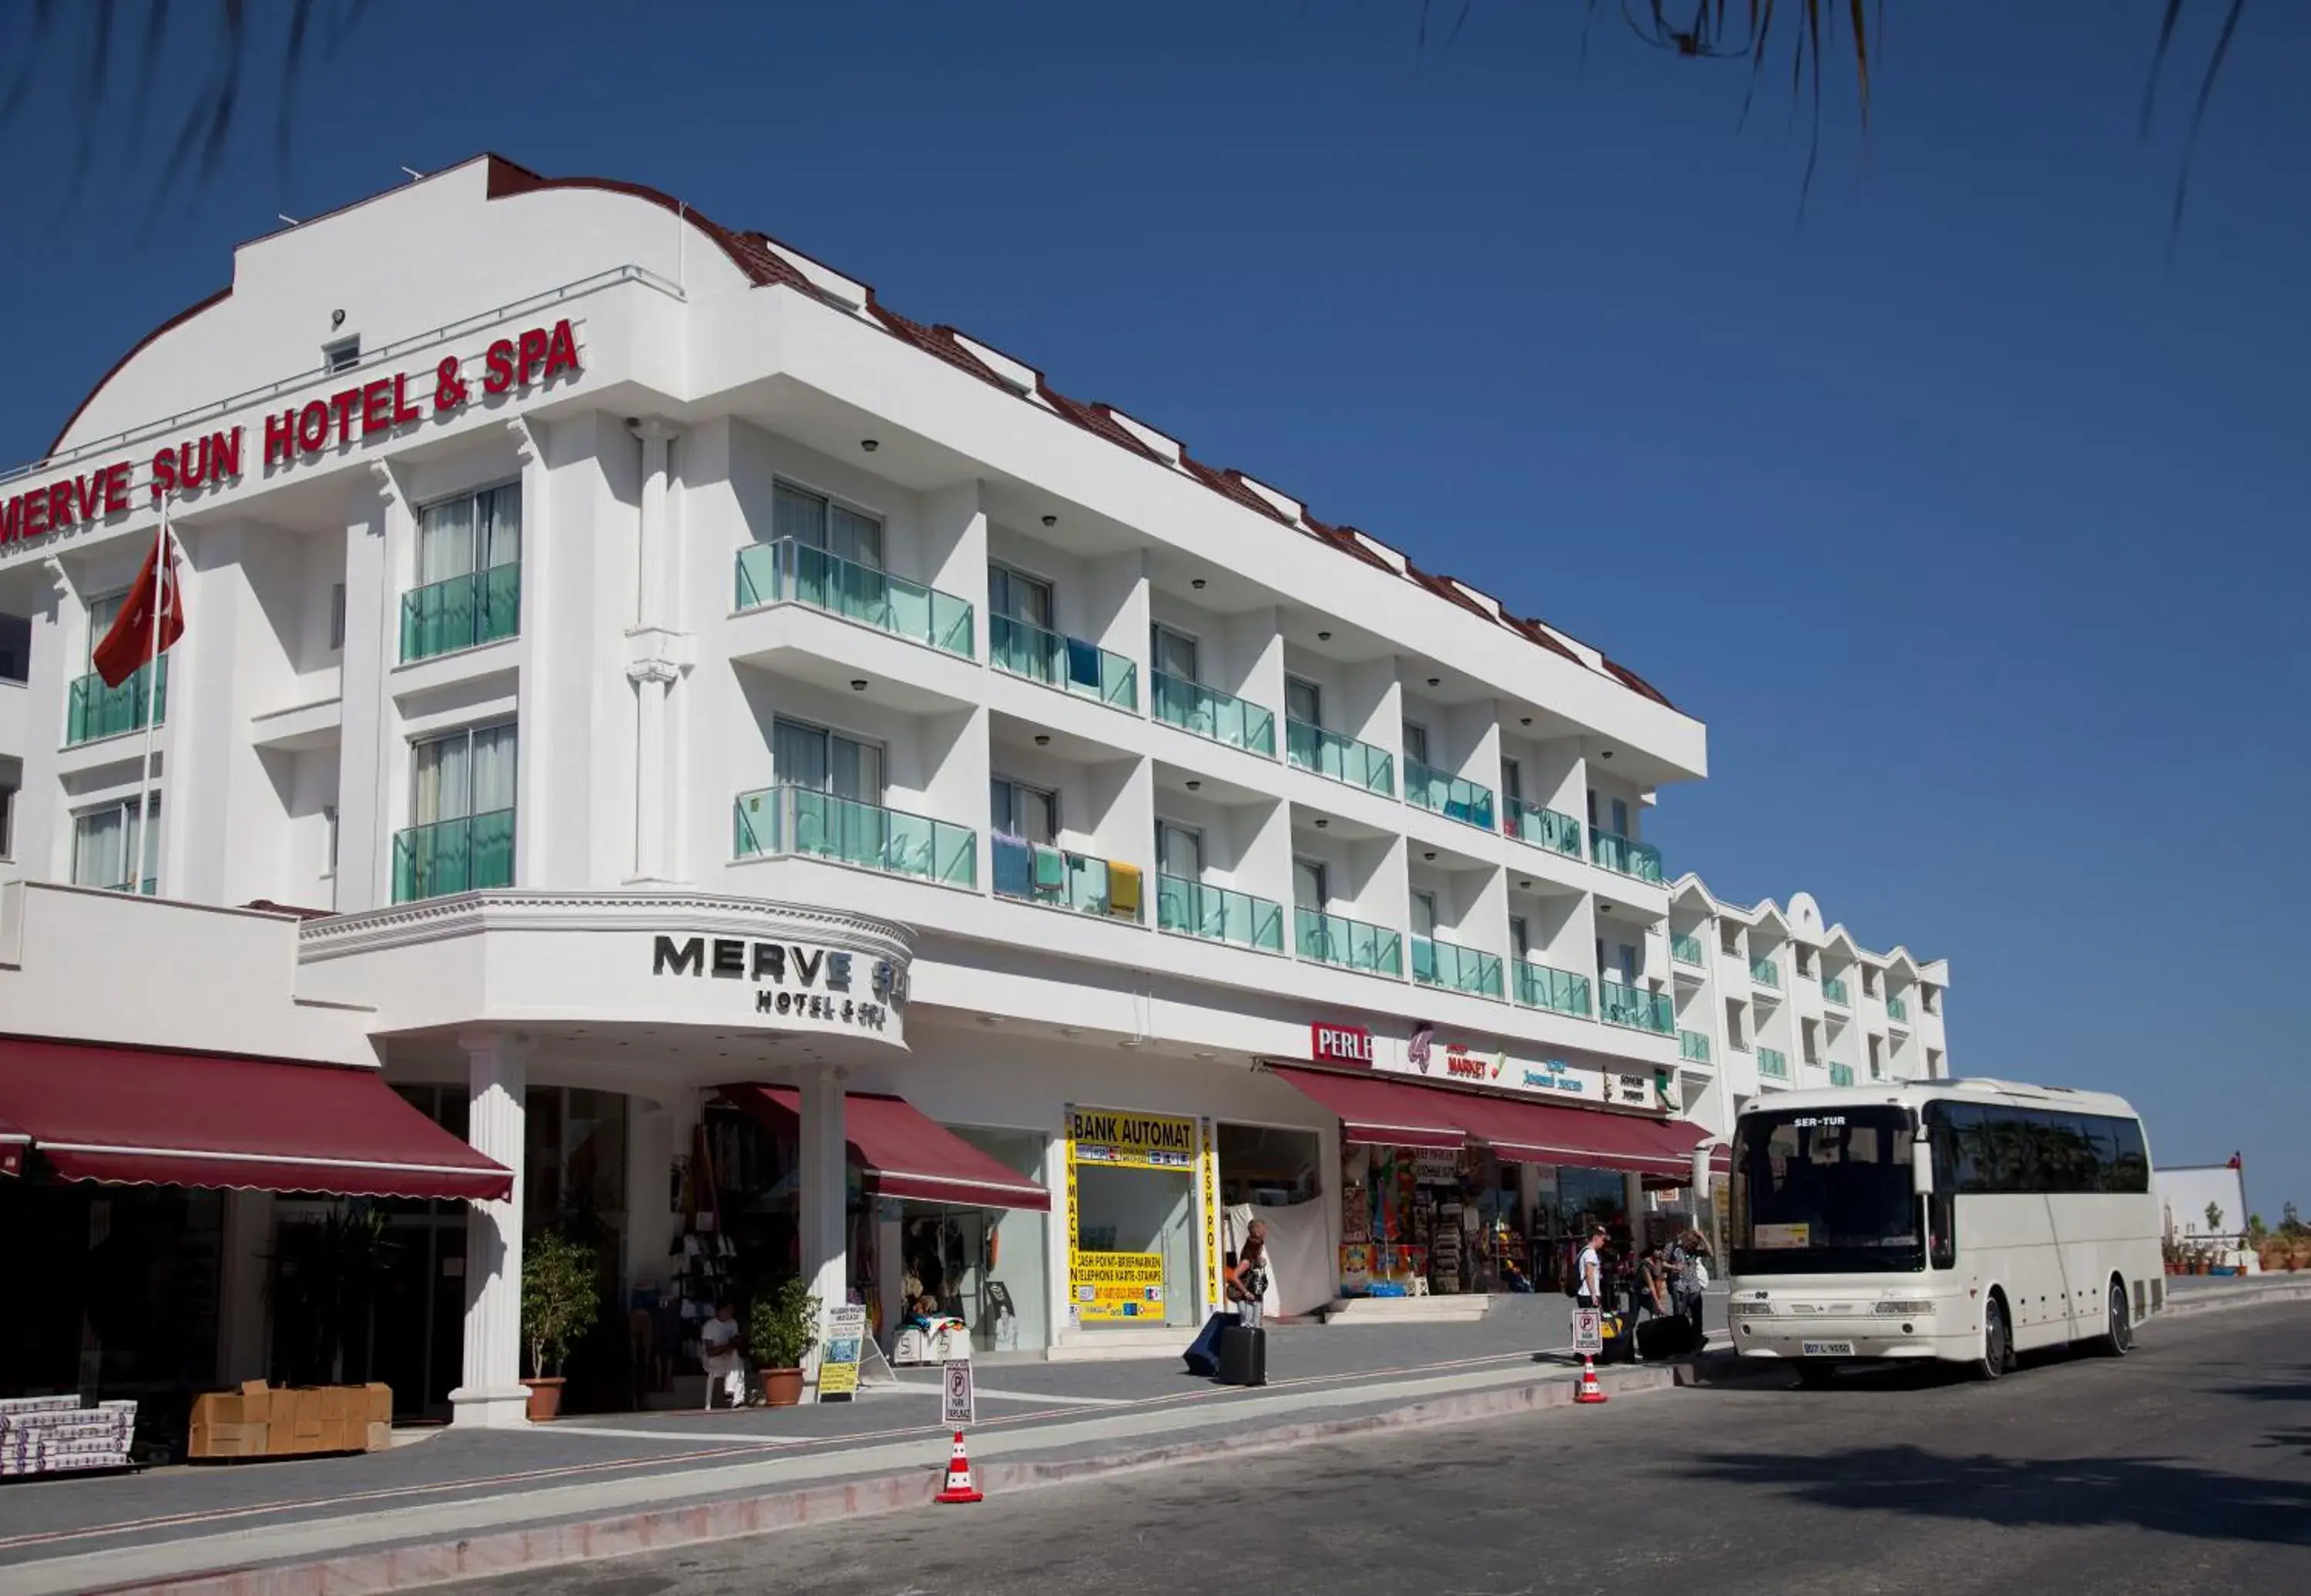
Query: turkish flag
(131, 643)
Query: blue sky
(1970, 521)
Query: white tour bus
(1961, 1220)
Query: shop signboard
(1339, 1044)
(1119, 1139)
(838, 1364)
(1110, 1286)
(794, 984)
(1208, 1198)
(1462, 1064)
(1632, 1091)
(1106, 1284)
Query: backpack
(1573, 1278)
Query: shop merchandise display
(57, 1435)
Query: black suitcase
(1244, 1356)
(1673, 1336)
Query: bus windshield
(1824, 1191)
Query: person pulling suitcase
(1244, 1345)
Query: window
(1932, 996)
(464, 775)
(102, 839)
(1309, 888)
(1621, 816)
(1015, 809)
(1173, 653)
(1734, 1037)
(1805, 960)
(101, 613)
(1808, 1043)
(1416, 741)
(1869, 981)
(817, 760)
(337, 615)
(1933, 1063)
(7, 818)
(1424, 913)
(1303, 702)
(1015, 597)
(1815, 1191)
(1179, 851)
(1520, 938)
(816, 521)
(341, 354)
(472, 532)
(15, 648)
(1512, 783)
(329, 832)
(1991, 1150)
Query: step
(1465, 1308)
(1082, 1346)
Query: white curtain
(445, 541)
(494, 750)
(498, 541)
(1301, 1268)
(100, 847)
(443, 779)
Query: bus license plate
(1827, 1348)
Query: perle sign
(791, 980)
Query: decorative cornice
(466, 914)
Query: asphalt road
(2185, 1468)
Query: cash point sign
(378, 407)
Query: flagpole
(151, 707)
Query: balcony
(1692, 1047)
(788, 822)
(1210, 713)
(1544, 828)
(1764, 972)
(1626, 856)
(94, 710)
(1773, 1064)
(465, 612)
(1833, 990)
(1218, 914)
(1560, 991)
(1341, 759)
(1686, 950)
(1030, 873)
(1638, 1010)
(1454, 968)
(1841, 1075)
(1453, 797)
(469, 854)
(1896, 1009)
(1350, 944)
(791, 573)
(1067, 663)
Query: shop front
(1143, 1219)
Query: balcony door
(1179, 851)
(1172, 653)
(1520, 938)
(102, 839)
(1424, 913)
(1512, 784)
(1017, 598)
(1303, 702)
(817, 760)
(472, 532)
(815, 522)
(1308, 886)
(1416, 741)
(466, 774)
(1031, 814)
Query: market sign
(792, 981)
(1339, 1044)
(1123, 1140)
(1463, 1065)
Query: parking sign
(1589, 1332)
(961, 1407)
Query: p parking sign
(961, 1403)
(1589, 1332)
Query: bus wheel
(2120, 1340)
(1997, 1346)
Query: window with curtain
(1179, 851)
(1512, 781)
(1303, 702)
(1520, 938)
(1416, 741)
(816, 521)
(1014, 810)
(820, 761)
(1018, 598)
(1424, 913)
(1173, 653)
(1309, 888)
(101, 841)
(469, 533)
(101, 613)
(465, 773)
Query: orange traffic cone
(1590, 1391)
(959, 1488)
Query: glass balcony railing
(1626, 856)
(1841, 1075)
(1067, 663)
(1764, 974)
(1211, 713)
(469, 854)
(791, 573)
(1218, 914)
(1560, 991)
(1453, 797)
(1342, 758)
(1833, 990)
(1773, 1064)
(1454, 968)
(1336, 939)
(465, 612)
(1686, 950)
(1639, 1010)
(1544, 828)
(1059, 879)
(1692, 1047)
(1896, 1009)
(94, 710)
(788, 822)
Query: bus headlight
(1905, 1307)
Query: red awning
(130, 1116)
(1381, 1113)
(1581, 1137)
(903, 1152)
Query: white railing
(383, 353)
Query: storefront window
(1012, 1279)
(1132, 1198)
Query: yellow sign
(1118, 1286)
(1115, 1140)
(1209, 1166)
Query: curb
(517, 1550)
(2188, 1304)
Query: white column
(242, 1320)
(823, 1178)
(890, 1269)
(492, 1394)
(657, 654)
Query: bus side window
(1941, 1231)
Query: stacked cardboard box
(285, 1421)
(55, 1434)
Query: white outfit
(720, 1338)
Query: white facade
(494, 619)
(1770, 999)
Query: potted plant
(561, 1298)
(2170, 1253)
(782, 1328)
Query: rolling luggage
(1667, 1337)
(1244, 1356)
(1620, 1346)
(1203, 1354)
